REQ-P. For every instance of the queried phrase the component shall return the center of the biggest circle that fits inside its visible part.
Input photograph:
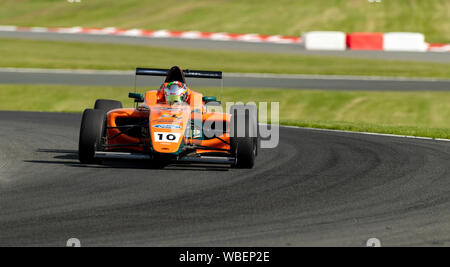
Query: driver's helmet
(176, 92)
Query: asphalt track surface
(114, 78)
(317, 189)
(227, 45)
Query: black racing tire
(107, 105)
(244, 146)
(91, 131)
(244, 149)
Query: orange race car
(170, 125)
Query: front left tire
(91, 131)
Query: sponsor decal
(169, 109)
(163, 121)
(175, 116)
(167, 126)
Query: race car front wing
(103, 155)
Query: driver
(175, 92)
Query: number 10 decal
(167, 137)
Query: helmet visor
(173, 98)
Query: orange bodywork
(169, 127)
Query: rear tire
(107, 105)
(244, 142)
(91, 131)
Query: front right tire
(91, 131)
(245, 135)
(245, 152)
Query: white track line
(331, 77)
(368, 133)
(231, 75)
(67, 71)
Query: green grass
(290, 17)
(406, 113)
(48, 54)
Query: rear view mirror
(207, 99)
(138, 98)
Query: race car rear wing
(187, 73)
